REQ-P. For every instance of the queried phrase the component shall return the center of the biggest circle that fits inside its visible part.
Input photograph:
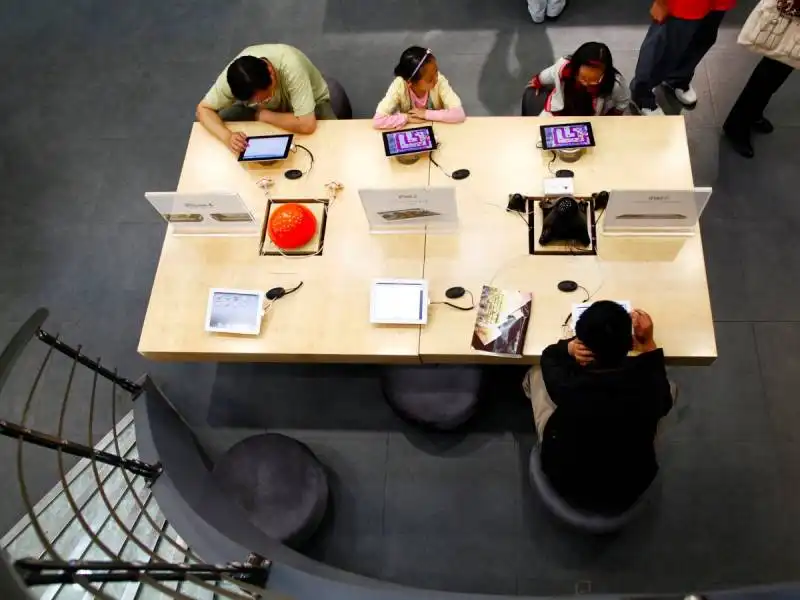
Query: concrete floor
(95, 109)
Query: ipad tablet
(567, 135)
(267, 147)
(399, 301)
(409, 141)
(579, 309)
(234, 311)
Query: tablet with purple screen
(409, 141)
(568, 135)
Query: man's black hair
(248, 75)
(605, 328)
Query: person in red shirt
(681, 34)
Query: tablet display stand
(204, 213)
(658, 213)
(410, 210)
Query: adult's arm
(213, 123)
(290, 122)
(652, 362)
(298, 87)
(559, 370)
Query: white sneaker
(652, 112)
(555, 8)
(687, 97)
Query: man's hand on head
(643, 340)
(237, 142)
(582, 355)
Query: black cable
(433, 160)
(552, 160)
(464, 308)
(310, 155)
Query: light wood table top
(328, 319)
(666, 276)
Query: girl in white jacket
(584, 84)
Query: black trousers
(767, 78)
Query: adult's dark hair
(248, 75)
(409, 66)
(605, 328)
(578, 100)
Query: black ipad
(409, 141)
(267, 147)
(567, 135)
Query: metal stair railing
(246, 579)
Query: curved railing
(204, 548)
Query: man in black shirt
(597, 410)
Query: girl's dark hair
(248, 75)
(409, 63)
(578, 101)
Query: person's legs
(766, 79)
(705, 36)
(748, 110)
(537, 10)
(324, 111)
(238, 112)
(662, 49)
(535, 390)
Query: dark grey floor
(96, 104)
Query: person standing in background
(681, 34)
(747, 114)
(541, 9)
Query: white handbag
(773, 33)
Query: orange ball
(291, 226)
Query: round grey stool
(579, 519)
(339, 100)
(279, 483)
(438, 396)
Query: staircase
(133, 504)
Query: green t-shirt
(301, 86)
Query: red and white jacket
(553, 76)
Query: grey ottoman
(438, 396)
(279, 483)
(579, 519)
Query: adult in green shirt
(271, 83)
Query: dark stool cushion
(579, 519)
(339, 100)
(279, 483)
(439, 396)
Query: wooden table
(329, 319)
(666, 277)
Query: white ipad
(579, 309)
(399, 302)
(234, 311)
